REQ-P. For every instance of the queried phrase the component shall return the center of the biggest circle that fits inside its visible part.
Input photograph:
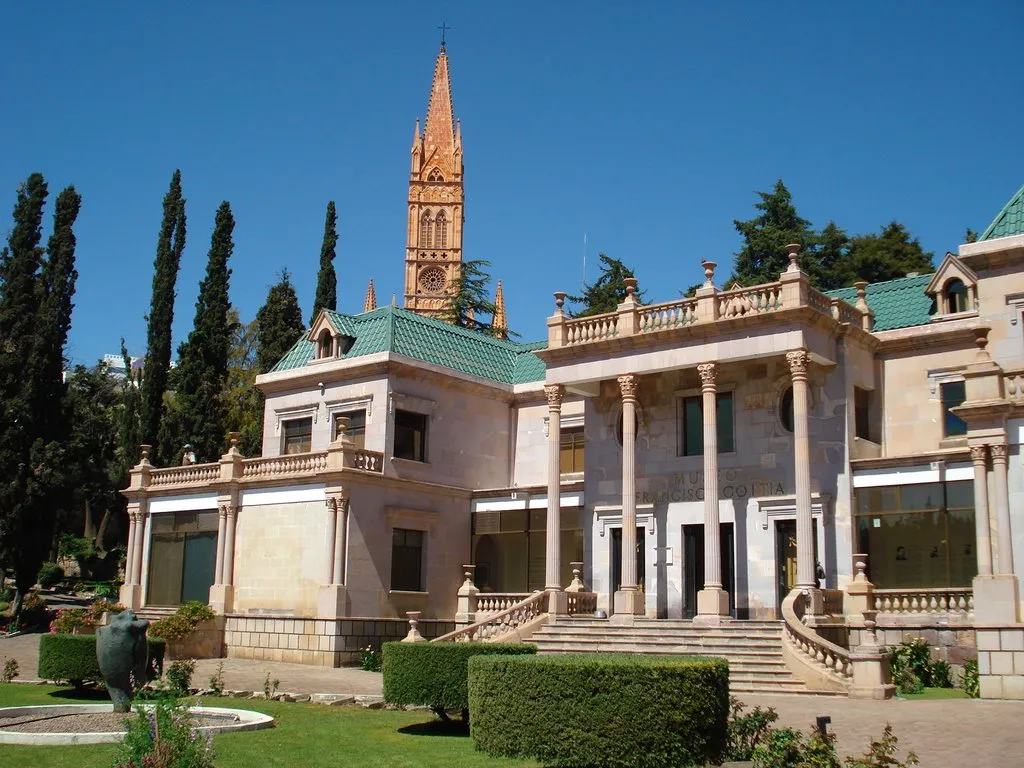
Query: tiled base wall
(953, 644)
(1001, 662)
(318, 642)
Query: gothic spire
(500, 321)
(370, 302)
(439, 130)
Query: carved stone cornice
(628, 387)
(798, 361)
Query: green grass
(936, 693)
(306, 735)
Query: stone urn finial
(145, 450)
(793, 249)
(981, 340)
(709, 273)
(630, 286)
(559, 300)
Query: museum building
(694, 459)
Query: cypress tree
(278, 323)
(203, 358)
(326, 279)
(170, 244)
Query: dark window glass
(692, 428)
(410, 436)
(571, 454)
(953, 394)
(956, 296)
(356, 426)
(407, 560)
(862, 412)
(296, 435)
(786, 410)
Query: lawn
(936, 693)
(306, 735)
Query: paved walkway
(980, 734)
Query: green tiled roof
(390, 329)
(898, 303)
(1010, 220)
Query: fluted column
(129, 560)
(340, 541)
(229, 544)
(552, 552)
(222, 515)
(140, 539)
(712, 540)
(627, 599)
(979, 456)
(798, 363)
(1004, 544)
(329, 539)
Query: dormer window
(324, 345)
(955, 294)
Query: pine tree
(170, 245)
(970, 236)
(326, 280)
(278, 324)
(765, 237)
(608, 291)
(888, 255)
(832, 258)
(199, 407)
(469, 298)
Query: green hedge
(73, 658)
(435, 674)
(601, 709)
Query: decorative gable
(954, 288)
(331, 337)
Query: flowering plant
(98, 607)
(68, 620)
(164, 735)
(182, 622)
(369, 659)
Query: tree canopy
(765, 237)
(607, 292)
(470, 299)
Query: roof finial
(370, 302)
(444, 28)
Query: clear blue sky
(648, 128)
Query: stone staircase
(753, 648)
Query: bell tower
(433, 252)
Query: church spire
(500, 321)
(370, 302)
(439, 129)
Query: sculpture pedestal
(627, 604)
(330, 601)
(712, 607)
(222, 598)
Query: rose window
(432, 280)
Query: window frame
(577, 442)
(420, 580)
(946, 404)
(422, 440)
(285, 436)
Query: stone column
(140, 540)
(979, 456)
(229, 545)
(628, 600)
(1004, 544)
(331, 596)
(129, 560)
(712, 600)
(222, 516)
(798, 362)
(552, 550)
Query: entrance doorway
(693, 566)
(617, 558)
(785, 557)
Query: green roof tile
(390, 329)
(898, 303)
(1010, 220)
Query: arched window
(425, 230)
(441, 230)
(435, 175)
(956, 296)
(324, 344)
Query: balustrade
(924, 601)
(193, 474)
(582, 603)
(826, 660)
(670, 314)
(368, 461)
(750, 301)
(503, 622)
(292, 464)
(833, 601)
(586, 329)
(492, 602)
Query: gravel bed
(87, 722)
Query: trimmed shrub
(182, 622)
(601, 709)
(436, 675)
(50, 574)
(73, 658)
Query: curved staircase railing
(505, 622)
(821, 664)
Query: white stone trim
(293, 414)
(295, 494)
(565, 422)
(914, 475)
(525, 501)
(335, 407)
(192, 503)
(771, 508)
(610, 516)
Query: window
(435, 175)
(786, 410)
(410, 436)
(296, 436)
(356, 426)
(441, 230)
(425, 230)
(956, 296)
(862, 412)
(407, 560)
(691, 428)
(324, 345)
(953, 393)
(571, 456)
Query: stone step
(766, 640)
(769, 645)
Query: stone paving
(957, 732)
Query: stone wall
(318, 642)
(1001, 662)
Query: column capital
(337, 502)
(554, 394)
(798, 361)
(708, 375)
(628, 386)
(998, 452)
(223, 510)
(979, 453)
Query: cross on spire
(444, 28)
